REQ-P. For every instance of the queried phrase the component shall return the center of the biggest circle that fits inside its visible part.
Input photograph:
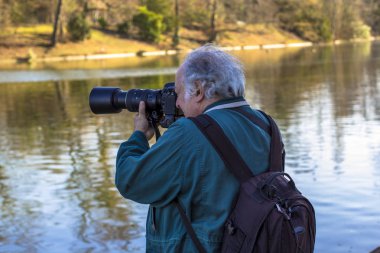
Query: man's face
(188, 104)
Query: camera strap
(189, 227)
(155, 127)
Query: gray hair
(220, 74)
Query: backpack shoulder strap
(228, 153)
(223, 146)
(254, 119)
(230, 156)
(277, 151)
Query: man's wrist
(139, 133)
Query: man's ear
(199, 92)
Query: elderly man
(183, 165)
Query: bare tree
(56, 22)
(176, 24)
(213, 9)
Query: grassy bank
(34, 41)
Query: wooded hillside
(199, 21)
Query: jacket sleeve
(151, 175)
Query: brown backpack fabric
(270, 214)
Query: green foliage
(17, 13)
(102, 23)
(78, 28)
(313, 20)
(195, 15)
(353, 27)
(169, 24)
(305, 19)
(362, 30)
(164, 8)
(150, 24)
(123, 28)
(357, 30)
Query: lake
(57, 159)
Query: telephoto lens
(160, 105)
(104, 100)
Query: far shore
(168, 52)
(31, 44)
(148, 53)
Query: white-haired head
(219, 73)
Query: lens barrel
(105, 100)
(152, 99)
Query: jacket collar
(226, 103)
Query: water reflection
(57, 183)
(120, 63)
(85, 70)
(57, 159)
(57, 75)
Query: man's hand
(141, 122)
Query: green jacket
(183, 164)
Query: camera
(160, 105)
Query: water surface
(57, 158)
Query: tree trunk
(212, 35)
(56, 23)
(1, 13)
(176, 24)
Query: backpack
(270, 215)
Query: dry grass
(17, 42)
(259, 34)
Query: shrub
(123, 28)
(313, 30)
(164, 8)
(169, 24)
(305, 19)
(360, 30)
(150, 25)
(196, 17)
(78, 27)
(102, 23)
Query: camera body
(160, 104)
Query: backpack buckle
(281, 210)
(230, 228)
